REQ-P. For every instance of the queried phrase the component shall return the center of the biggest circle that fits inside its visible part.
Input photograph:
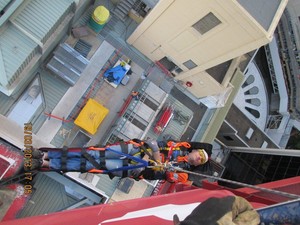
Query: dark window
(167, 63)
(207, 23)
(190, 64)
(178, 70)
(254, 112)
(228, 138)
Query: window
(167, 63)
(228, 138)
(249, 133)
(190, 64)
(264, 145)
(178, 70)
(254, 112)
(207, 23)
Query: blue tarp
(115, 75)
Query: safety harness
(125, 168)
(99, 167)
(130, 162)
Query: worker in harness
(185, 155)
(131, 158)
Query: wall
(167, 31)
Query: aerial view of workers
(139, 159)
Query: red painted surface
(163, 120)
(125, 105)
(16, 158)
(289, 185)
(189, 84)
(151, 210)
(163, 68)
(56, 117)
(157, 209)
(17, 204)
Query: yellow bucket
(100, 15)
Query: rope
(172, 168)
(141, 162)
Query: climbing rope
(169, 167)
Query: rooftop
(128, 118)
(157, 91)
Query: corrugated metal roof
(107, 185)
(53, 90)
(49, 196)
(5, 103)
(40, 16)
(15, 48)
(54, 192)
(3, 3)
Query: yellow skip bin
(91, 116)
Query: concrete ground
(110, 97)
(113, 99)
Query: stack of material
(67, 63)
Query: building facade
(288, 40)
(188, 39)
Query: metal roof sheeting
(53, 90)
(5, 103)
(40, 16)
(15, 48)
(29, 27)
(3, 3)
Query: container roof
(262, 11)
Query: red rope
(125, 105)
(56, 117)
